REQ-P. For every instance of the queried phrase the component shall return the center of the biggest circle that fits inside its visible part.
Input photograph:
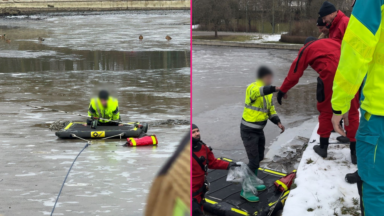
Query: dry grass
(304, 28)
(355, 201)
(292, 39)
(309, 161)
(239, 38)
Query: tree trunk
(249, 24)
(273, 16)
(215, 32)
(262, 21)
(246, 17)
(290, 20)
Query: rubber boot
(259, 187)
(352, 178)
(250, 197)
(343, 139)
(322, 148)
(352, 146)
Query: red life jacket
(202, 159)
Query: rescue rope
(74, 135)
(121, 134)
(65, 179)
(274, 206)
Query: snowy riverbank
(321, 187)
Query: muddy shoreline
(83, 11)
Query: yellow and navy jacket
(111, 112)
(259, 106)
(362, 54)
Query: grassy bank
(242, 26)
(238, 38)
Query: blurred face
(267, 80)
(323, 29)
(329, 18)
(196, 133)
(103, 102)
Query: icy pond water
(82, 52)
(220, 77)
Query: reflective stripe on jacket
(362, 53)
(111, 112)
(258, 106)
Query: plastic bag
(242, 174)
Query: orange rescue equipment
(284, 184)
(143, 141)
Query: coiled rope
(65, 179)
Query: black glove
(280, 95)
(233, 164)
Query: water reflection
(37, 57)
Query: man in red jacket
(335, 19)
(323, 56)
(202, 159)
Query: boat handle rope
(120, 134)
(74, 135)
(65, 179)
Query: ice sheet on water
(26, 54)
(114, 31)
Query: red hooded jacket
(338, 26)
(323, 56)
(197, 172)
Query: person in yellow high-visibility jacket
(257, 110)
(362, 55)
(104, 108)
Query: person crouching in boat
(203, 159)
(104, 109)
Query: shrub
(292, 39)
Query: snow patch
(321, 186)
(262, 38)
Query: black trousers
(196, 208)
(254, 143)
(360, 190)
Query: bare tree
(294, 16)
(214, 12)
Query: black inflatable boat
(223, 198)
(133, 129)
